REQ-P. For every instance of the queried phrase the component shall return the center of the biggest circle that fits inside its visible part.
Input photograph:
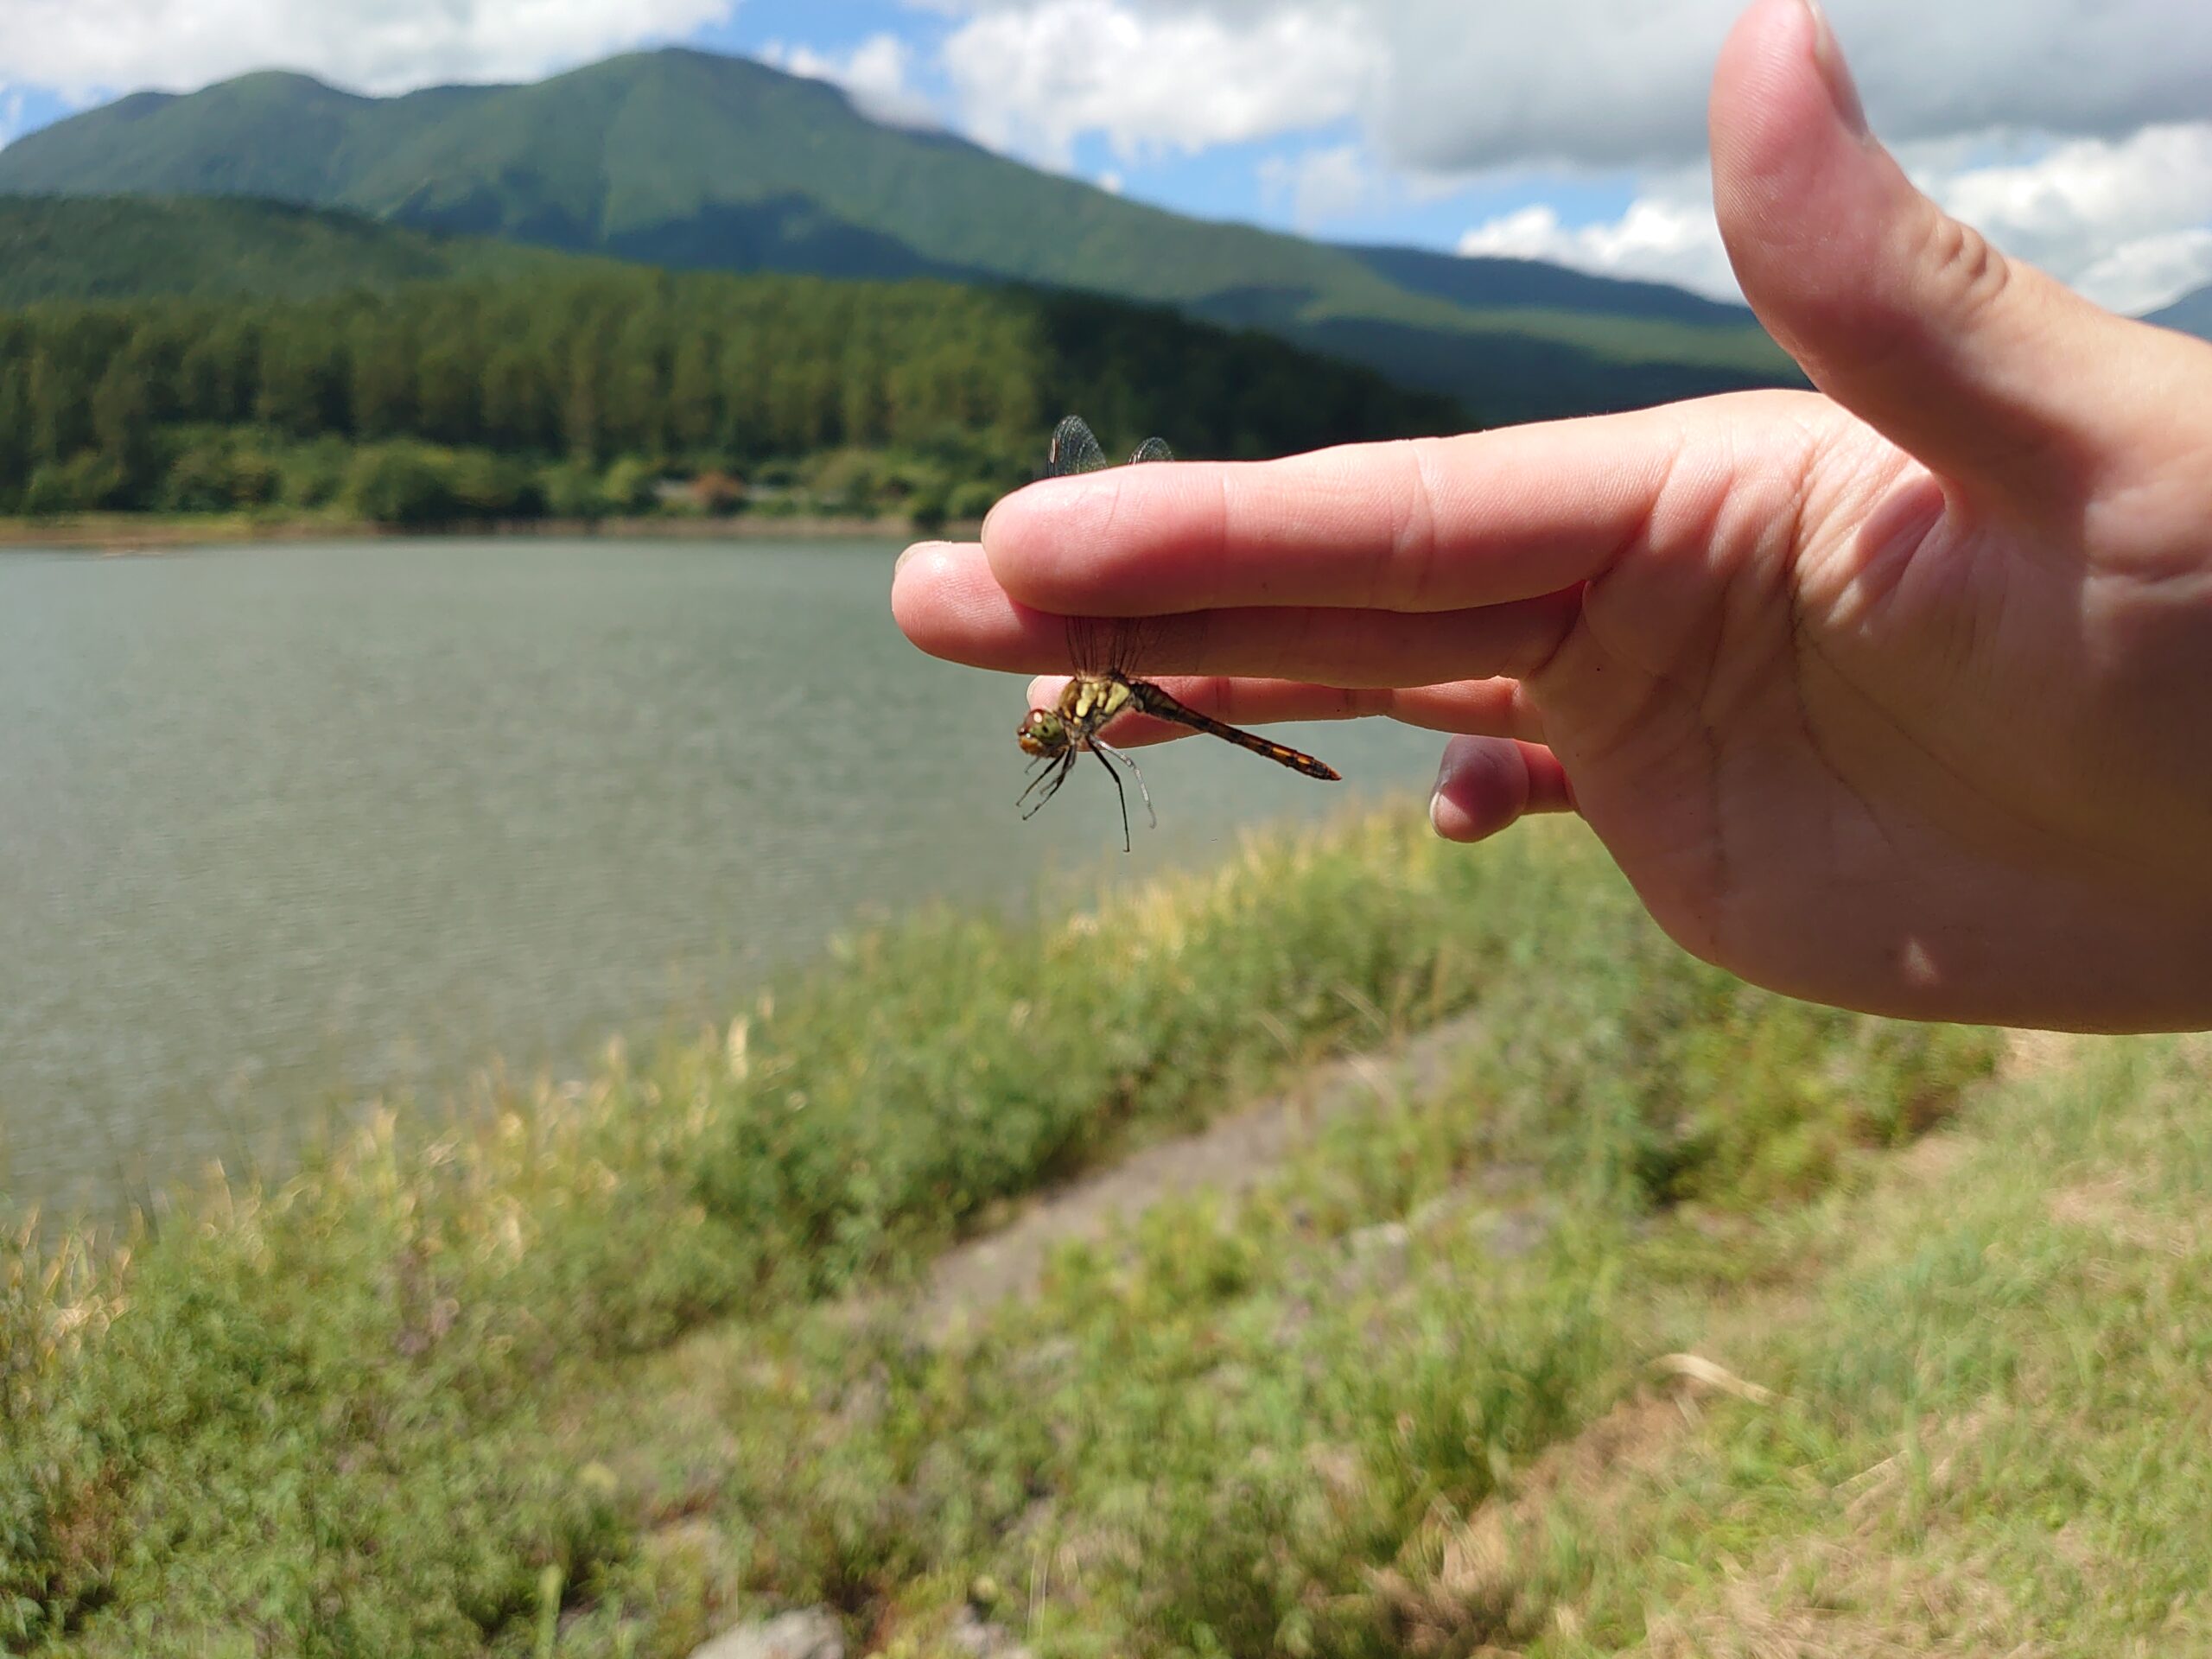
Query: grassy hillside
(427, 1396)
(688, 159)
(113, 248)
(1648, 1315)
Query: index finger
(1422, 524)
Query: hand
(1897, 695)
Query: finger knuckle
(1967, 272)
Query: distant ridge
(126, 247)
(690, 159)
(2191, 313)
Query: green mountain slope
(689, 159)
(2191, 313)
(56, 248)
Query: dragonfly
(1104, 652)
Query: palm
(1843, 742)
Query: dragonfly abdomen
(1161, 705)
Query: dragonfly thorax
(1085, 707)
(1089, 701)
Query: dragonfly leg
(1122, 756)
(1037, 774)
(1119, 794)
(1052, 780)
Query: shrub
(214, 478)
(486, 486)
(408, 484)
(928, 509)
(972, 500)
(198, 480)
(628, 486)
(313, 475)
(572, 491)
(83, 483)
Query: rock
(977, 1637)
(1519, 1232)
(810, 1633)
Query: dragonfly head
(1043, 732)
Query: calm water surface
(284, 829)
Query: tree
(693, 415)
(579, 415)
(448, 391)
(123, 426)
(383, 375)
(15, 430)
(518, 413)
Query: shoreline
(121, 533)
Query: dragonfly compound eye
(1042, 732)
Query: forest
(618, 391)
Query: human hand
(1897, 695)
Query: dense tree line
(188, 403)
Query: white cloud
(2151, 271)
(875, 74)
(11, 119)
(2128, 221)
(1462, 86)
(1667, 234)
(1031, 78)
(80, 48)
(1324, 185)
(2116, 195)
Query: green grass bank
(603, 1369)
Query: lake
(285, 829)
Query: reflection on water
(282, 828)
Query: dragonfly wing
(1093, 644)
(1098, 644)
(1073, 449)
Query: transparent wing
(1073, 450)
(1099, 645)
(1110, 644)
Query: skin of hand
(1896, 695)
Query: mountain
(691, 159)
(2191, 313)
(115, 248)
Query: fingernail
(1436, 802)
(1843, 91)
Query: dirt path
(1229, 1156)
(1235, 1153)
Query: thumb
(1987, 370)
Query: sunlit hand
(1898, 697)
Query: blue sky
(2080, 137)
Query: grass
(606, 1370)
